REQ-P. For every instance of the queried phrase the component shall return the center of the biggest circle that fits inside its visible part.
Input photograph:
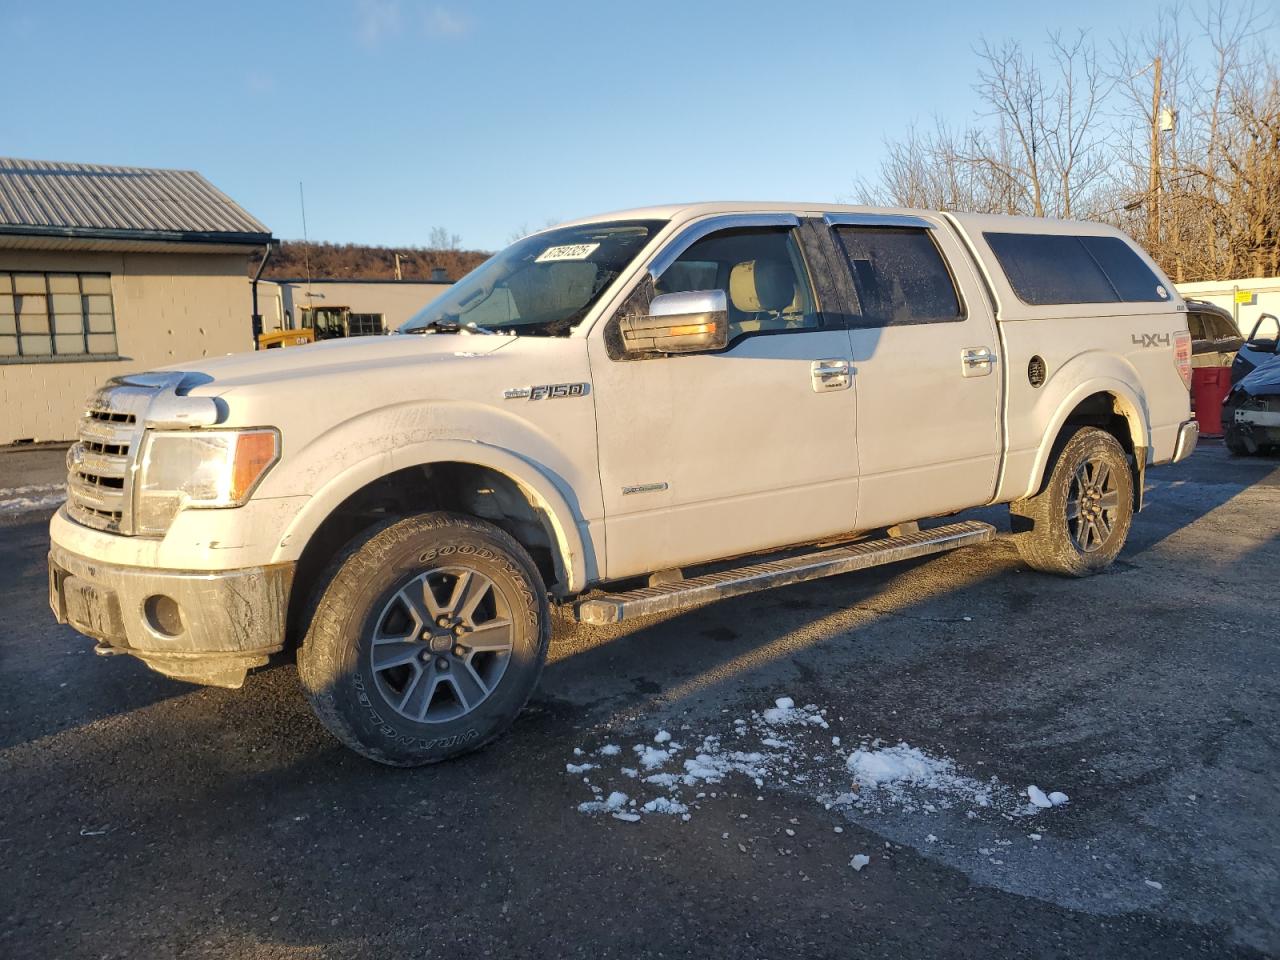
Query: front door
(714, 455)
(926, 370)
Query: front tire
(1079, 521)
(427, 641)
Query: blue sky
(485, 117)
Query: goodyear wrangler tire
(427, 641)
(1079, 521)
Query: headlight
(198, 468)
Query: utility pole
(398, 276)
(1153, 186)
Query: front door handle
(828, 375)
(977, 361)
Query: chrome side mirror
(694, 322)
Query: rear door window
(1049, 269)
(899, 275)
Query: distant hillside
(331, 261)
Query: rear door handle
(828, 375)
(978, 361)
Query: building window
(44, 316)
(366, 325)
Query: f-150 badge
(547, 391)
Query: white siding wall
(1264, 297)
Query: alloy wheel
(441, 644)
(1093, 506)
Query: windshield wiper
(452, 326)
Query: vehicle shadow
(48, 669)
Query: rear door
(927, 369)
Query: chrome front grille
(100, 465)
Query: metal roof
(46, 198)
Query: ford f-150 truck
(621, 416)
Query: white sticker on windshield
(570, 251)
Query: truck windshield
(540, 286)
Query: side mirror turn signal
(694, 322)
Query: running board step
(616, 607)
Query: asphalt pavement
(143, 817)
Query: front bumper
(1188, 437)
(203, 627)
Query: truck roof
(971, 223)
(972, 228)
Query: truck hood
(215, 376)
(1264, 381)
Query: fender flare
(1130, 404)
(570, 553)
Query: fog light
(164, 616)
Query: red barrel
(1209, 387)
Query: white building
(1247, 299)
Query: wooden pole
(1153, 187)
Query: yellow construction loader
(323, 323)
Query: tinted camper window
(1133, 279)
(1046, 269)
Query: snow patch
(789, 747)
(30, 498)
(651, 757)
(664, 805)
(615, 801)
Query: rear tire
(1079, 521)
(1234, 443)
(1237, 438)
(427, 641)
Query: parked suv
(1215, 338)
(590, 419)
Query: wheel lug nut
(459, 651)
(425, 655)
(443, 622)
(442, 664)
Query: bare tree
(937, 170)
(441, 239)
(1039, 153)
(1075, 141)
(1014, 92)
(1051, 123)
(1179, 148)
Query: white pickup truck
(594, 415)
